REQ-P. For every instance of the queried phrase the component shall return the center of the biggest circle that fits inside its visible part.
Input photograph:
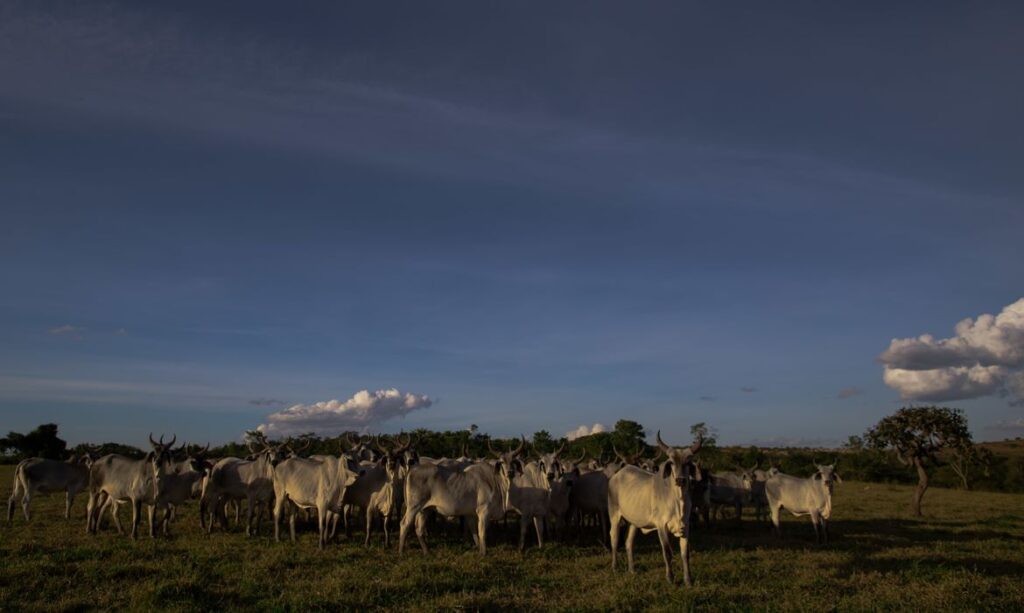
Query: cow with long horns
(655, 502)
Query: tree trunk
(922, 485)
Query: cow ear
(666, 470)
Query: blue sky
(539, 215)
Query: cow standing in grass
(42, 476)
(652, 502)
(804, 497)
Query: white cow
(804, 497)
(652, 502)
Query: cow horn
(174, 437)
(151, 441)
(522, 445)
(662, 444)
(407, 443)
(560, 449)
(582, 457)
(490, 447)
(379, 445)
(205, 450)
(251, 447)
(619, 455)
(697, 444)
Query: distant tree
(542, 441)
(918, 435)
(42, 442)
(628, 435)
(854, 443)
(705, 432)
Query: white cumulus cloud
(585, 431)
(985, 357)
(331, 417)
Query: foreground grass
(966, 554)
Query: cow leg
(614, 533)
(815, 520)
(249, 519)
(481, 528)
(136, 514)
(90, 507)
(68, 499)
(539, 529)
(150, 509)
(369, 525)
(630, 538)
(168, 517)
(775, 520)
(684, 553)
(739, 512)
(403, 527)
(824, 529)
(523, 523)
(321, 521)
(278, 509)
(384, 521)
(666, 553)
(293, 513)
(25, 500)
(421, 530)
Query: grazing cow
(312, 484)
(234, 479)
(804, 497)
(730, 489)
(42, 476)
(481, 491)
(120, 478)
(655, 503)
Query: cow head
(161, 455)
(196, 457)
(270, 453)
(508, 463)
(827, 473)
(678, 464)
(550, 465)
(572, 467)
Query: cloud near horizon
(585, 431)
(361, 411)
(984, 358)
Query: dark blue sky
(540, 215)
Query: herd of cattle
(387, 478)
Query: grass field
(967, 554)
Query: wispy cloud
(362, 411)
(69, 331)
(267, 402)
(849, 392)
(707, 398)
(746, 389)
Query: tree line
(929, 446)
